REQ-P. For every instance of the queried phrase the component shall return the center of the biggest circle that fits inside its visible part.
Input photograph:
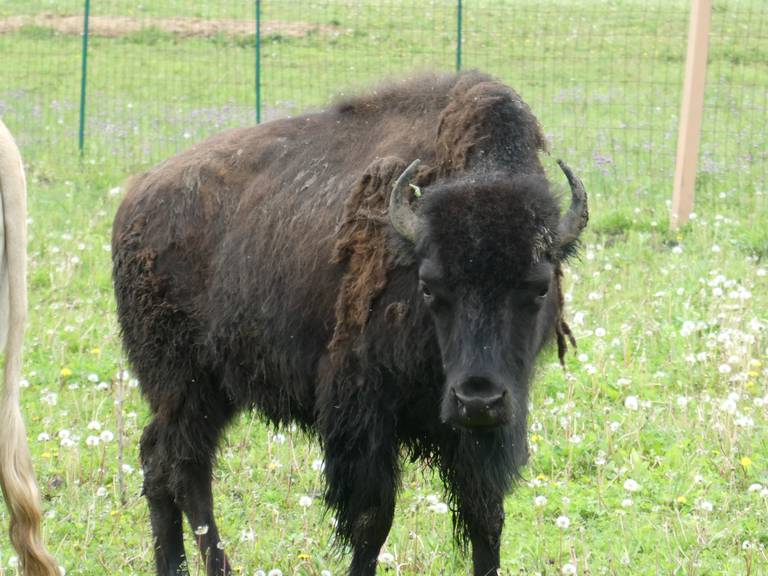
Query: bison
(17, 477)
(312, 269)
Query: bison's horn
(402, 217)
(575, 220)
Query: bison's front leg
(480, 512)
(480, 468)
(484, 523)
(362, 472)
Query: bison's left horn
(402, 217)
(575, 220)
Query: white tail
(16, 475)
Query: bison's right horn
(575, 220)
(402, 217)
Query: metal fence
(603, 76)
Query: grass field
(653, 442)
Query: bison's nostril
(478, 402)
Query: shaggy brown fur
(361, 248)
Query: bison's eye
(426, 292)
(540, 293)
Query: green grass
(658, 315)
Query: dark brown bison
(309, 269)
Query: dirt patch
(116, 26)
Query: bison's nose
(479, 402)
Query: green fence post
(258, 61)
(83, 76)
(458, 35)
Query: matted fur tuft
(361, 247)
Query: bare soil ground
(115, 26)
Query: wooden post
(691, 112)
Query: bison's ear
(402, 217)
(575, 220)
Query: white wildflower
(247, 535)
(728, 405)
(631, 486)
(631, 403)
(439, 508)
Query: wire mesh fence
(603, 76)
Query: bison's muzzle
(476, 402)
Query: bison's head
(488, 250)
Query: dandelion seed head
(305, 501)
(729, 406)
(247, 535)
(439, 508)
(563, 522)
(600, 459)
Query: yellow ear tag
(416, 190)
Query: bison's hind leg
(165, 515)
(177, 453)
